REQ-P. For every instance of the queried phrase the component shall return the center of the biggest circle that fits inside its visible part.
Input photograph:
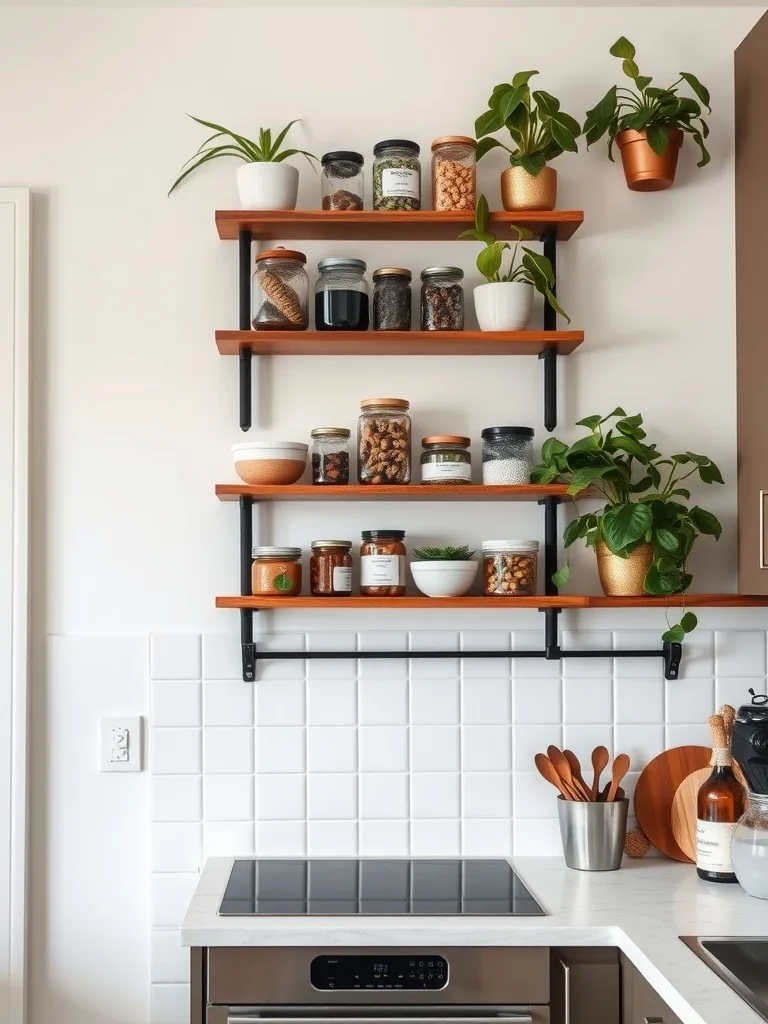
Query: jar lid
(510, 545)
(393, 403)
(442, 272)
(453, 140)
(383, 534)
(392, 272)
(276, 552)
(281, 253)
(330, 432)
(507, 431)
(379, 148)
(343, 156)
(445, 439)
(341, 263)
(331, 544)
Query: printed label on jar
(342, 579)
(400, 181)
(382, 571)
(446, 471)
(713, 846)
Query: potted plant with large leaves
(644, 533)
(264, 181)
(648, 124)
(540, 131)
(504, 303)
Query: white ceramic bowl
(444, 579)
(270, 462)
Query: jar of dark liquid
(341, 295)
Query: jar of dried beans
(330, 455)
(453, 173)
(330, 568)
(382, 563)
(446, 460)
(510, 567)
(342, 181)
(391, 299)
(396, 175)
(280, 291)
(442, 299)
(384, 441)
(507, 455)
(276, 572)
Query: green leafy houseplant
(539, 129)
(263, 151)
(648, 108)
(443, 554)
(645, 502)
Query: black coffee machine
(750, 742)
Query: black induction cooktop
(375, 887)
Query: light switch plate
(121, 743)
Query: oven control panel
(347, 973)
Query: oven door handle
(500, 1018)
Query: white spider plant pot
(268, 186)
(503, 305)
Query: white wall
(134, 410)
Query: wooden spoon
(563, 769)
(600, 759)
(547, 771)
(578, 778)
(619, 770)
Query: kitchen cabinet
(640, 1003)
(585, 986)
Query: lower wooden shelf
(564, 601)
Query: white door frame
(15, 660)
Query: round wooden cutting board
(684, 809)
(655, 793)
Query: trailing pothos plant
(539, 129)
(645, 502)
(534, 268)
(649, 108)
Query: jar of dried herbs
(446, 460)
(442, 299)
(391, 299)
(342, 180)
(280, 291)
(396, 175)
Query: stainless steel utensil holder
(593, 833)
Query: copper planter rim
(630, 135)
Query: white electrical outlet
(121, 743)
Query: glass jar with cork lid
(384, 441)
(453, 173)
(280, 292)
(446, 459)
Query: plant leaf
(523, 78)
(551, 448)
(623, 48)
(700, 91)
(643, 81)
(489, 260)
(482, 215)
(710, 474)
(625, 524)
(667, 540)
(490, 121)
(630, 69)
(585, 476)
(674, 635)
(486, 145)
(590, 422)
(705, 522)
(533, 163)
(249, 146)
(509, 102)
(281, 137)
(547, 104)
(658, 138)
(561, 577)
(203, 159)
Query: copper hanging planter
(644, 169)
(623, 577)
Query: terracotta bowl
(270, 462)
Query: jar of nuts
(280, 291)
(510, 567)
(453, 173)
(442, 299)
(330, 455)
(382, 563)
(384, 441)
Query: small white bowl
(270, 462)
(444, 579)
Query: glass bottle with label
(382, 563)
(396, 175)
(720, 803)
(446, 460)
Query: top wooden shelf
(384, 226)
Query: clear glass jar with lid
(446, 460)
(510, 567)
(341, 295)
(330, 568)
(384, 441)
(749, 847)
(391, 299)
(453, 173)
(507, 455)
(280, 291)
(382, 563)
(342, 180)
(330, 455)
(276, 572)
(442, 299)
(396, 175)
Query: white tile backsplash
(176, 703)
(281, 797)
(227, 751)
(331, 748)
(384, 795)
(177, 798)
(280, 749)
(228, 702)
(436, 795)
(383, 748)
(435, 748)
(228, 798)
(175, 656)
(176, 751)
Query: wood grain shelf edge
(390, 492)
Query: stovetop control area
(347, 973)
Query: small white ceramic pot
(503, 305)
(268, 186)
(444, 579)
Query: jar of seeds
(453, 173)
(342, 180)
(507, 455)
(391, 299)
(396, 175)
(446, 460)
(330, 455)
(384, 441)
(280, 291)
(442, 299)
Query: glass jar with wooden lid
(453, 173)
(276, 572)
(384, 441)
(446, 459)
(280, 292)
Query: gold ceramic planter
(523, 191)
(623, 577)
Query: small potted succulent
(264, 181)
(443, 571)
(649, 124)
(540, 132)
(504, 303)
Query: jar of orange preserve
(276, 572)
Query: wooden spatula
(563, 769)
(547, 771)
(578, 778)
(618, 771)
(600, 759)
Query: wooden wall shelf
(391, 492)
(565, 601)
(398, 343)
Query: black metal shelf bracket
(549, 355)
(246, 614)
(246, 355)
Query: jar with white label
(382, 563)
(446, 460)
(330, 568)
(396, 175)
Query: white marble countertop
(642, 909)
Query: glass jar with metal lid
(446, 460)
(276, 572)
(453, 173)
(384, 441)
(382, 563)
(396, 175)
(342, 180)
(341, 295)
(330, 568)
(330, 455)
(280, 291)
(507, 455)
(391, 299)
(442, 299)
